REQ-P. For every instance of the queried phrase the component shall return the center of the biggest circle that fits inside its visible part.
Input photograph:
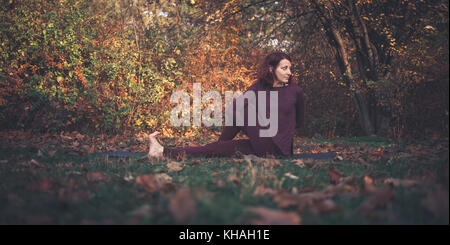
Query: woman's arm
(229, 132)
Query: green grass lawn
(67, 189)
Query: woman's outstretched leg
(226, 148)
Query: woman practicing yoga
(273, 75)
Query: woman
(273, 75)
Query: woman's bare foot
(155, 149)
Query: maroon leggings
(226, 147)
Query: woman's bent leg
(226, 148)
(229, 132)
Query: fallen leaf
(324, 206)
(368, 184)
(196, 162)
(96, 176)
(237, 160)
(88, 148)
(78, 135)
(378, 153)
(270, 162)
(437, 203)
(400, 182)
(51, 153)
(33, 162)
(39, 219)
(302, 200)
(378, 199)
(218, 182)
(233, 178)
(128, 177)
(42, 185)
(183, 206)
(299, 162)
(148, 182)
(289, 175)
(364, 163)
(273, 217)
(261, 190)
(339, 157)
(335, 175)
(306, 189)
(151, 183)
(251, 157)
(163, 176)
(174, 166)
(74, 197)
(143, 211)
(40, 154)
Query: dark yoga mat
(327, 155)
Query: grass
(63, 190)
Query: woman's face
(283, 71)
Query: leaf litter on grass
(261, 177)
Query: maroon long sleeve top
(291, 115)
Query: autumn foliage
(111, 66)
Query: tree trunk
(342, 58)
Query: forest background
(109, 66)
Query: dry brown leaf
(401, 182)
(163, 176)
(40, 153)
(378, 153)
(196, 162)
(150, 182)
(302, 200)
(261, 190)
(273, 217)
(270, 163)
(364, 163)
(39, 219)
(324, 206)
(88, 148)
(183, 206)
(33, 162)
(378, 199)
(335, 175)
(174, 166)
(290, 175)
(51, 153)
(71, 196)
(218, 182)
(42, 185)
(233, 178)
(437, 203)
(251, 157)
(309, 162)
(96, 176)
(306, 189)
(143, 211)
(368, 184)
(299, 162)
(237, 160)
